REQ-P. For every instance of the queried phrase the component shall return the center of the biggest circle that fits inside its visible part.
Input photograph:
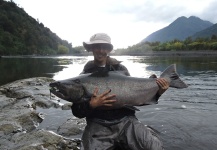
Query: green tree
(213, 45)
(196, 45)
(177, 46)
(213, 37)
(63, 49)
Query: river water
(184, 118)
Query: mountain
(180, 29)
(206, 33)
(20, 34)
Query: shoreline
(203, 53)
(197, 53)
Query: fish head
(70, 90)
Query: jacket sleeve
(82, 109)
(123, 68)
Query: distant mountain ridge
(206, 32)
(180, 29)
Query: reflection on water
(73, 69)
(185, 118)
(20, 68)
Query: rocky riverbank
(20, 118)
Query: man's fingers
(110, 96)
(104, 99)
(108, 105)
(162, 83)
(105, 93)
(95, 92)
(109, 101)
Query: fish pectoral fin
(131, 107)
(86, 93)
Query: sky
(127, 22)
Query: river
(184, 118)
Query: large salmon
(130, 91)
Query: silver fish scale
(128, 90)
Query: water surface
(184, 118)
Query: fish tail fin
(173, 77)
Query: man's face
(100, 52)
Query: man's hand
(163, 85)
(103, 99)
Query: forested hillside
(208, 32)
(20, 34)
(188, 44)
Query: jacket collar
(109, 61)
(112, 61)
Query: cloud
(210, 12)
(149, 11)
(126, 21)
(163, 10)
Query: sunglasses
(100, 47)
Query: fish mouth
(58, 93)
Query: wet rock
(42, 139)
(8, 127)
(19, 117)
(5, 101)
(72, 127)
(66, 106)
(45, 102)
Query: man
(112, 128)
